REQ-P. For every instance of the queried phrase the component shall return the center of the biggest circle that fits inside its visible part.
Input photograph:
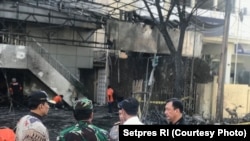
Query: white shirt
(31, 128)
(133, 121)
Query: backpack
(7, 134)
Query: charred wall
(124, 71)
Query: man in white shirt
(30, 127)
(129, 109)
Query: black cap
(130, 105)
(40, 96)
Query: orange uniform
(110, 98)
(7, 134)
(110, 93)
(57, 99)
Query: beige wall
(234, 95)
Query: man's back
(83, 131)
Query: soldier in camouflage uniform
(83, 130)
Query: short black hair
(177, 104)
(82, 114)
(130, 105)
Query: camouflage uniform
(83, 130)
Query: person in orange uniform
(110, 98)
(59, 101)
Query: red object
(7, 134)
(57, 99)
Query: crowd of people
(30, 127)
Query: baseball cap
(130, 105)
(83, 104)
(39, 96)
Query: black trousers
(110, 107)
(17, 100)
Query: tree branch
(172, 5)
(197, 5)
(158, 7)
(149, 10)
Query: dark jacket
(181, 121)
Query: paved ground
(57, 119)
